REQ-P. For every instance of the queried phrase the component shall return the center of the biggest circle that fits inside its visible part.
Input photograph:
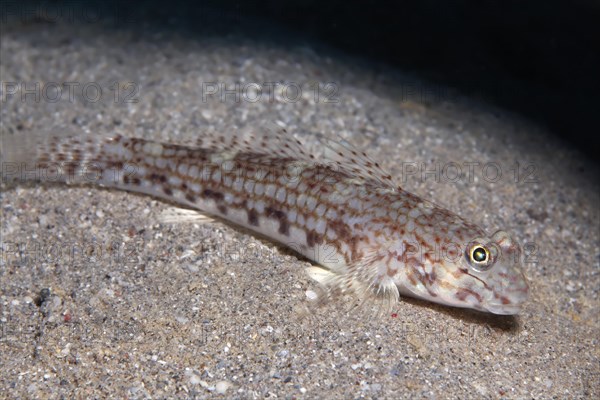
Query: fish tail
(52, 158)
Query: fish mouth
(503, 309)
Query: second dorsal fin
(357, 162)
(272, 140)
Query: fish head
(483, 273)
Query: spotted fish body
(364, 233)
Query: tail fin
(18, 154)
(50, 158)
(15, 149)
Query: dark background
(540, 59)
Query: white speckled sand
(141, 309)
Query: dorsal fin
(273, 140)
(346, 156)
(267, 140)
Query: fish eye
(479, 254)
(479, 257)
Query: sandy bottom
(98, 298)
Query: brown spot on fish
(341, 229)
(313, 238)
(214, 195)
(116, 164)
(157, 178)
(253, 218)
(284, 226)
(463, 293)
(77, 155)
